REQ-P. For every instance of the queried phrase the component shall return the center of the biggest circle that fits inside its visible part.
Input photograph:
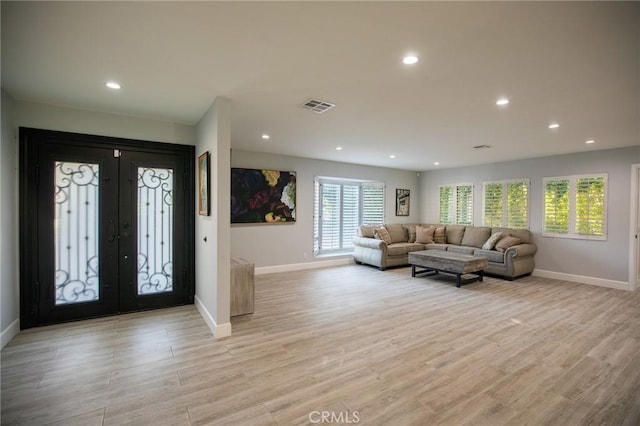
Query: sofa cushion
(382, 234)
(397, 233)
(475, 236)
(491, 241)
(411, 233)
(398, 249)
(425, 235)
(367, 231)
(440, 235)
(436, 246)
(492, 255)
(462, 249)
(455, 234)
(524, 234)
(506, 242)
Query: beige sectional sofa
(514, 261)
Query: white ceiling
(571, 62)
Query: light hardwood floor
(379, 347)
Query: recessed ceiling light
(112, 85)
(436, 163)
(502, 101)
(392, 156)
(265, 136)
(554, 125)
(410, 60)
(590, 141)
(338, 148)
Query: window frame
(573, 215)
(453, 209)
(319, 181)
(504, 222)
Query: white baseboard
(9, 333)
(601, 282)
(303, 266)
(219, 330)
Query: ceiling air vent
(482, 147)
(317, 106)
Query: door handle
(125, 233)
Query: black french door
(107, 226)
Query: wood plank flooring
(379, 347)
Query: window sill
(333, 255)
(575, 237)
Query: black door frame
(30, 142)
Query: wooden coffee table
(434, 261)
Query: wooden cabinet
(242, 286)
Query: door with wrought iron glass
(107, 226)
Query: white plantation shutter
(576, 206)
(316, 216)
(517, 204)
(330, 215)
(556, 205)
(493, 204)
(590, 205)
(446, 204)
(456, 204)
(372, 203)
(350, 214)
(464, 204)
(341, 207)
(506, 203)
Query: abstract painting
(262, 196)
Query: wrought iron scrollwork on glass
(155, 230)
(76, 232)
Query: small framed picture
(403, 200)
(203, 184)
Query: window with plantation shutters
(575, 206)
(456, 204)
(339, 208)
(506, 203)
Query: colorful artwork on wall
(262, 196)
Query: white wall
(292, 243)
(212, 256)
(9, 266)
(67, 119)
(607, 260)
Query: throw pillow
(491, 242)
(411, 233)
(455, 234)
(367, 231)
(425, 235)
(440, 235)
(475, 236)
(397, 233)
(507, 242)
(382, 234)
